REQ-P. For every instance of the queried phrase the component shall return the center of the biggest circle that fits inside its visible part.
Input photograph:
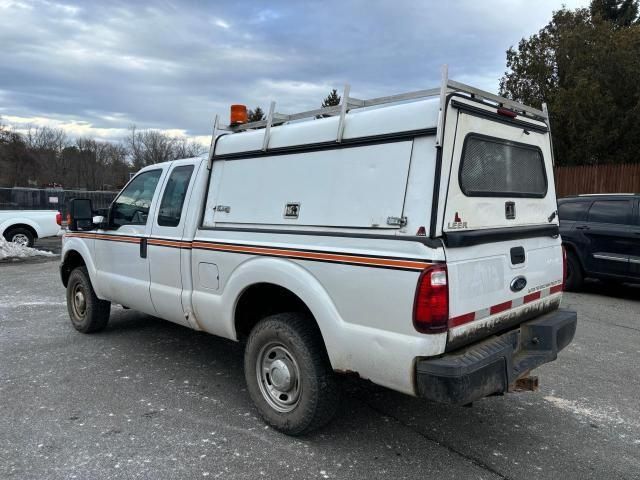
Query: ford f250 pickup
(414, 244)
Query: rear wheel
(575, 277)
(87, 312)
(21, 236)
(288, 374)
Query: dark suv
(601, 235)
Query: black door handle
(582, 227)
(143, 248)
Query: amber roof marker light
(238, 115)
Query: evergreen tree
(586, 69)
(332, 99)
(621, 13)
(255, 115)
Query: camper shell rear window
(493, 167)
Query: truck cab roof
(186, 161)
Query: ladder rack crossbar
(350, 103)
(461, 87)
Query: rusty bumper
(489, 367)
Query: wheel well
(72, 260)
(22, 225)
(264, 299)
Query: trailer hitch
(525, 384)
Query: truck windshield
(492, 167)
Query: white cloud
(7, 4)
(78, 128)
(73, 128)
(94, 68)
(266, 15)
(218, 22)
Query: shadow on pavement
(628, 291)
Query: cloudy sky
(95, 68)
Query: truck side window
(173, 197)
(575, 211)
(132, 205)
(610, 211)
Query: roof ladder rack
(348, 103)
(343, 111)
(212, 145)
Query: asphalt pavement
(149, 399)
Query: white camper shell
(412, 240)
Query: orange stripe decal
(304, 255)
(353, 259)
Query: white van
(411, 240)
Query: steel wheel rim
(79, 301)
(278, 377)
(20, 239)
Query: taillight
(564, 267)
(431, 304)
(507, 113)
(59, 218)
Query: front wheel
(87, 312)
(288, 374)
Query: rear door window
(574, 211)
(492, 167)
(173, 197)
(611, 211)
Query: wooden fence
(619, 178)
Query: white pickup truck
(414, 244)
(25, 226)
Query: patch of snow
(16, 304)
(13, 250)
(610, 415)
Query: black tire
(317, 392)
(19, 233)
(87, 312)
(575, 277)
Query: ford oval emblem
(518, 283)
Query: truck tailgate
(488, 292)
(504, 255)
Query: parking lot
(149, 399)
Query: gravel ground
(149, 399)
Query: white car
(25, 226)
(414, 244)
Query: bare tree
(18, 167)
(45, 138)
(46, 145)
(45, 155)
(148, 147)
(186, 148)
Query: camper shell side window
(494, 167)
